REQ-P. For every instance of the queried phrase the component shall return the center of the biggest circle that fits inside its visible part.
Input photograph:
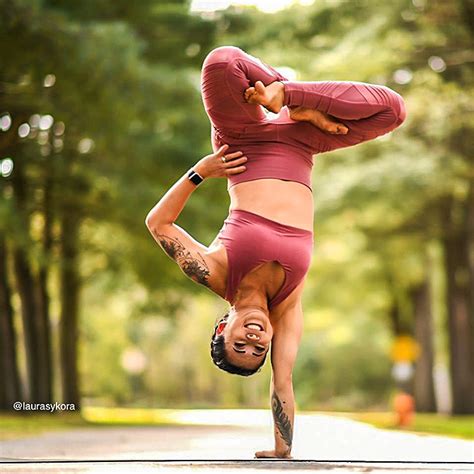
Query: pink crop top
(251, 240)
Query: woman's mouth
(254, 326)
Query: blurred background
(100, 112)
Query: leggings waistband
(279, 226)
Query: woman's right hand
(213, 166)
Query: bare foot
(319, 119)
(271, 96)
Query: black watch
(195, 177)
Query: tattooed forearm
(282, 422)
(194, 267)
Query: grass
(14, 426)
(458, 426)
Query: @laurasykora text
(50, 407)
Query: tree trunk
(423, 382)
(470, 252)
(394, 313)
(10, 387)
(456, 257)
(42, 286)
(69, 296)
(25, 286)
(394, 317)
(33, 324)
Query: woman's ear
(221, 327)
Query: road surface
(225, 441)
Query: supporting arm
(285, 343)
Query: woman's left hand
(220, 165)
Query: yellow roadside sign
(404, 348)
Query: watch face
(195, 178)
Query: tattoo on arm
(195, 268)
(282, 421)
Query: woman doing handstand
(260, 257)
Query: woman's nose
(253, 337)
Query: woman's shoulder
(286, 312)
(216, 257)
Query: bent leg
(367, 110)
(226, 73)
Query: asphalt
(227, 443)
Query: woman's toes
(249, 92)
(260, 88)
(342, 129)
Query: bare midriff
(286, 202)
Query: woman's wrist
(200, 170)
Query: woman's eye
(259, 348)
(239, 344)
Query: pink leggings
(367, 110)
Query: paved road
(322, 443)
(238, 467)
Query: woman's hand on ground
(213, 166)
(272, 454)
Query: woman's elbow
(148, 221)
(153, 221)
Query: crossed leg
(235, 85)
(272, 98)
(358, 111)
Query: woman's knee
(222, 54)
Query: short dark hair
(219, 355)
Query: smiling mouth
(254, 326)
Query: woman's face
(247, 333)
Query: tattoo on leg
(194, 267)
(282, 421)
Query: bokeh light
(59, 128)
(6, 167)
(46, 122)
(402, 76)
(5, 122)
(437, 64)
(133, 360)
(23, 130)
(85, 145)
(34, 120)
(43, 138)
(49, 80)
(58, 144)
(193, 50)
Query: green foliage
(127, 79)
